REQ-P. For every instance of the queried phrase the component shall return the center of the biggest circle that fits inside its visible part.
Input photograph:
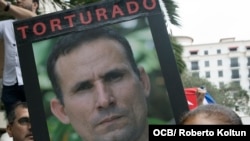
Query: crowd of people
(101, 92)
(12, 81)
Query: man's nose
(104, 96)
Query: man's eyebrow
(116, 70)
(25, 117)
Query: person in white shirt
(5, 137)
(13, 90)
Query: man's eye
(113, 77)
(85, 86)
(24, 121)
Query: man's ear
(57, 109)
(145, 81)
(9, 130)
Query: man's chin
(121, 134)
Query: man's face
(20, 129)
(27, 4)
(104, 100)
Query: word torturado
(87, 16)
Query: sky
(207, 21)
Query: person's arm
(200, 95)
(17, 12)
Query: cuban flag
(208, 99)
(191, 96)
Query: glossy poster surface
(143, 24)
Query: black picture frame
(60, 23)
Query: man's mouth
(109, 119)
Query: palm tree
(57, 5)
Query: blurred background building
(221, 63)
